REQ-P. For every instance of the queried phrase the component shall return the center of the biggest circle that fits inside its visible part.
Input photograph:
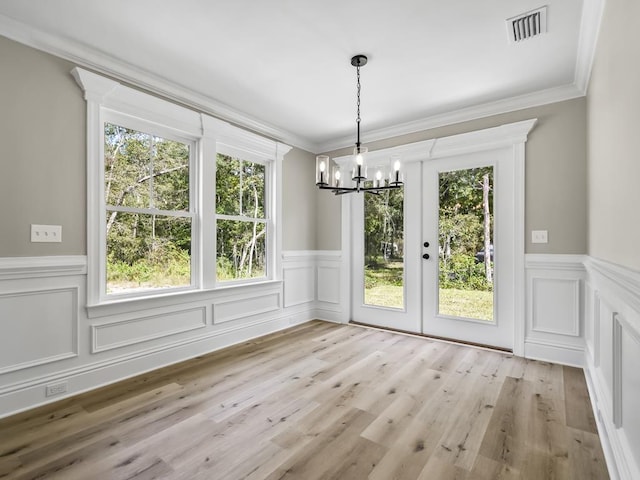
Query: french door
(438, 256)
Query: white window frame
(116, 118)
(108, 100)
(268, 210)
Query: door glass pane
(465, 228)
(384, 249)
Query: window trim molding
(103, 94)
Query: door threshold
(434, 337)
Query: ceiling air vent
(527, 25)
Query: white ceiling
(282, 67)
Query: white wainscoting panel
(612, 363)
(242, 307)
(47, 333)
(555, 305)
(37, 327)
(315, 278)
(108, 336)
(606, 323)
(329, 284)
(299, 285)
(555, 308)
(629, 417)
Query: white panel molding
(555, 308)
(616, 309)
(15, 268)
(617, 371)
(330, 302)
(11, 314)
(329, 284)
(242, 307)
(541, 307)
(299, 285)
(185, 321)
(596, 328)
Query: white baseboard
(554, 353)
(21, 396)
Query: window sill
(163, 300)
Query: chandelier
(329, 176)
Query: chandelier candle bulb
(359, 167)
(396, 175)
(378, 183)
(336, 176)
(322, 169)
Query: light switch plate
(539, 236)
(46, 233)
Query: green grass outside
(383, 288)
(466, 303)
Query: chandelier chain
(358, 105)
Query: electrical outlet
(46, 233)
(56, 388)
(539, 236)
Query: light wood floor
(320, 401)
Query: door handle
(425, 256)
(426, 244)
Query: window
(147, 211)
(241, 226)
(177, 201)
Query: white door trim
(512, 134)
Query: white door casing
(508, 145)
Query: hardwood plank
(326, 454)
(462, 440)
(319, 401)
(506, 435)
(487, 469)
(577, 404)
(586, 459)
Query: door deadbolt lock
(425, 256)
(426, 244)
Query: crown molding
(592, 12)
(100, 62)
(85, 56)
(535, 99)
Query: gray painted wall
(42, 131)
(298, 201)
(43, 166)
(556, 176)
(613, 125)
